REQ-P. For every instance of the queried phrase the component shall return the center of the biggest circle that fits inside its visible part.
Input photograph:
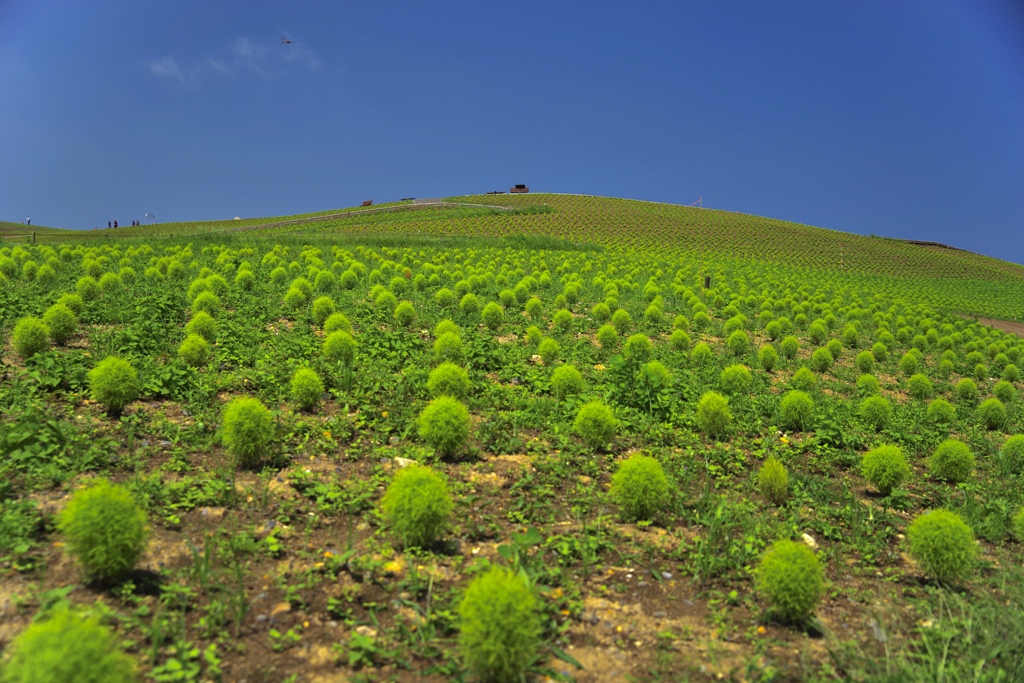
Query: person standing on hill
(115, 224)
(108, 225)
(28, 219)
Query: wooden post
(707, 282)
(33, 238)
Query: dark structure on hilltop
(520, 189)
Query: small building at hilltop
(520, 189)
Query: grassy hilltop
(509, 438)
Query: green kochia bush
(943, 545)
(1012, 454)
(493, 316)
(549, 350)
(61, 323)
(713, 415)
(566, 380)
(114, 383)
(804, 380)
(876, 412)
(767, 357)
(865, 361)
(773, 481)
(417, 505)
(67, 647)
(738, 343)
(499, 626)
(1003, 390)
(640, 487)
(867, 385)
(323, 308)
(821, 360)
(701, 353)
(1017, 525)
(790, 577)
(448, 347)
(796, 411)
(992, 413)
(340, 347)
(448, 379)
(307, 388)
(203, 324)
(638, 347)
(735, 379)
(596, 424)
(920, 387)
(104, 529)
(194, 350)
(952, 461)
(30, 336)
(789, 346)
(885, 467)
(444, 425)
(247, 429)
(337, 322)
(941, 411)
(966, 390)
(405, 313)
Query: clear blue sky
(896, 118)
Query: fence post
(33, 238)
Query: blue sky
(894, 118)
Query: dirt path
(1011, 326)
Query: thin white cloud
(166, 67)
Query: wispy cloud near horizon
(243, 55)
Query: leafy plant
(306, 388)
(796, 411)
(114, 383)
(30, 336)
(448, 379)
(943, 545)
(713, 415)
(790, 577)
(417, 505)
(104, 529)
(60, 322)
(992, 413)
(246, 430)
(444, 425)
(194, 350)
(499, 626)
(804, 380)
(952, 461)
(876, 412)
(566, 380)
(773, 481)
(596, 424)
(340, 347)
(640, 487)
(885, 467)
(941, 411)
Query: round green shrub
(821, 360)
(1003, 390)
(876, 412)
(865, 362)
(679, 340)
(30, 336)
(448, 379)
(446, 326)
(104, 529)
(835, 347)
(607, 337)
(61, 323)
(444, 425)
(735, 379)
(980, 372)
(790, 577)
(640, 488)
(909, 364)
(789, 347)
(445, 298)
(773, 481)
(867, 385)
(549, 350)
(307, 388)
(493, 316)
(796, 411)
(499, 626)
(72, 301)
(966, 390)
(701, 353)
(323, 308)
(920, 387)
(562, 320)
(448, 347)
(209, 303)
(417, 505)
(246, 430)
(203, 324)
(992, 413)
(885, 467)
(385, 301)
(337, 322)
(405, 313)
(655, 376)
(596, 424)
(713, 415)
(1011, 373)
(941, 411)
(245, 280)
(952, 461)
(1017, 525)
(638, 347)
(87, 288)
(67, 647)
(566, 380)
(804, 380)
(194, 350)
(768, 358)
(879, 351)
(114, 383)
(470, 304)
(654, 315)
(534, 336)
(1012, 454)
(738, 343)
(621, 321)
(535, 309)
(340, 347)
(943, 545)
